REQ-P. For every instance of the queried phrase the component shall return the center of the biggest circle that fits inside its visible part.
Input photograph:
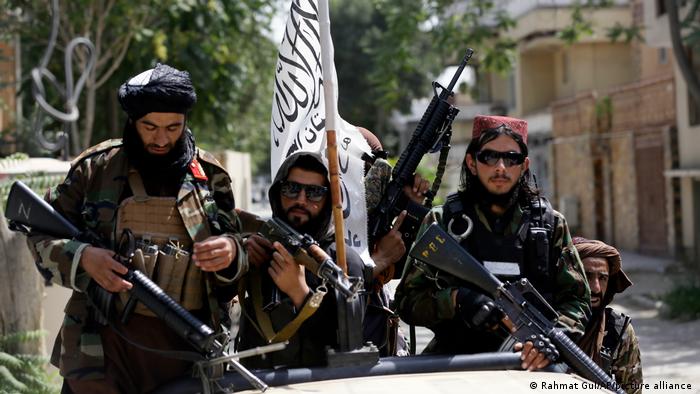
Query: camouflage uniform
(626, 365)
(89, 197)
(424, 298)
(610, 339)
(376, 181)
(308, 344)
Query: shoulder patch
(96, 149)
(209, 158)
(197, 170)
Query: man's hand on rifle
(288, 275)
(416, 192)
(476, 310)
(214, 253)
(104, 269)
(259, 249)
(532, 357)
(390, 247)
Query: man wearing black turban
(176, 200)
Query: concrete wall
(556, 18)
(640, 111)
(537, 84)
(625, 224)
(593, 66)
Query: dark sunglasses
(491, 157)
(313, 193)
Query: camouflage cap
(483, 123)
(160, 89)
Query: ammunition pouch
(162, 247)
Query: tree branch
(684, 63)
(116, 62)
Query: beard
(481, 195)
(311, 226)
(167, 169)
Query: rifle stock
(520, 302)
(433, 130)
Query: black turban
(160, 89)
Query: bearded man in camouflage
(609, 339)
(176, 200)
(503, 222)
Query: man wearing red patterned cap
(176, 201)
(501, 219)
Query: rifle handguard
(308, 253)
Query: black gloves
(476, 309)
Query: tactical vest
(527, 252)
(615, 327)
(163, 246)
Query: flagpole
(329, 95)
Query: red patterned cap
(483, 123)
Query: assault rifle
(518, 301)
(307, 252)
(30, 214)
(433, 133)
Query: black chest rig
(526, 252)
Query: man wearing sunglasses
(501, 219)
(300, 196)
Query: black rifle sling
(442, 164)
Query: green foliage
(626, 33)
(21, 373)
(691, 25)
(223, 44)
(603, 106)
(579, 27)
(224, 47)
(38, 182)
(684, 302)
(388, 51)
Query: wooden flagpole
(329, 91)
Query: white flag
(299, 117)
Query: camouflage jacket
(376, 181)
(89, 197)
(626, 366)
(423, 300)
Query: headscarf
(160, 89)
(320, 228)
(618, 281)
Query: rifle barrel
(467, 55)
